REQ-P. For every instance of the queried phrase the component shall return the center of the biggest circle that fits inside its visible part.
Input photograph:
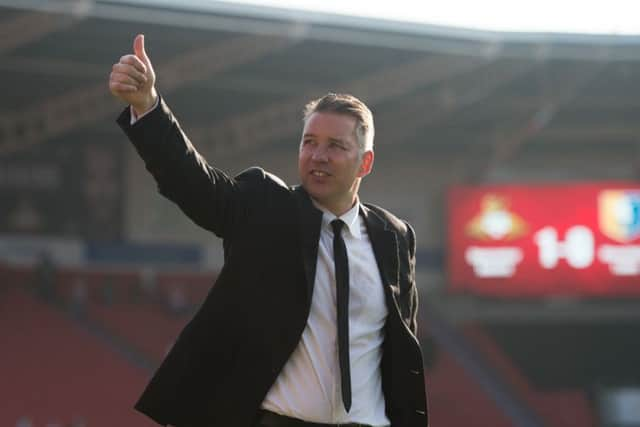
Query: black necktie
(342, 291)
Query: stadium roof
(546, 16)
(495, 21)
(434, 87)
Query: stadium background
(98, 273)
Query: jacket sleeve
(207, 195)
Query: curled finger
(115, 87)
(130, 71)
(135, 62)
(125, 78)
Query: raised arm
(207, 195)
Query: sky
(620, 17)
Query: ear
(366, 165)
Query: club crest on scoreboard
(495, 221)
(619, 214)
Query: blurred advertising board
(28, 250)
(70, 190)
(578, 239)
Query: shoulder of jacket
(398, 224)
(256, 173)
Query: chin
(318, 196)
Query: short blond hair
(341, 103)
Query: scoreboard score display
(579, 239)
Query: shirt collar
(351, 218)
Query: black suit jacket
(227, 357)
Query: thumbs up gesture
(132, 79)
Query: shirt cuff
(135, 118)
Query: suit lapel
(385, 249)
(309, 222)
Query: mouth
(319, 173)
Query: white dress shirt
(308, 386)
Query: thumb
(138, 49)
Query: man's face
(329, 161)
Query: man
(312, 320)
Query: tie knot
(337, 224)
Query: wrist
(147, 104)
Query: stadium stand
(144, 310)
(457, 400)
(147, 328)
(111, 327)
(56, 373)
(566, 408)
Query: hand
(132, 79)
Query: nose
(319, 154)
